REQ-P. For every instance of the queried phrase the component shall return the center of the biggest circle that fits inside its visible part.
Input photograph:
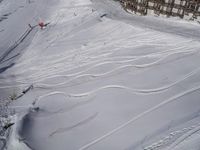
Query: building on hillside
(179, 8)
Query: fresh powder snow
(97, 78)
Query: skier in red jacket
(42, 24)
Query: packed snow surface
(102, 79)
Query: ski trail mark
(174, 98)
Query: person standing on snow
(41, 24)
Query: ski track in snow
(62, 130)
(99, 60)
(193, 130)
(134, 91)
(125, 61)
(175, 138)
(91, 47)
(135, 118)
(80, 74)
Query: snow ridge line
(174, 98)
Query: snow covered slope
(15, 33)
(106, 80)
(14, 20)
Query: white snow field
(102, 79)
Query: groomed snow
(103, 79)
